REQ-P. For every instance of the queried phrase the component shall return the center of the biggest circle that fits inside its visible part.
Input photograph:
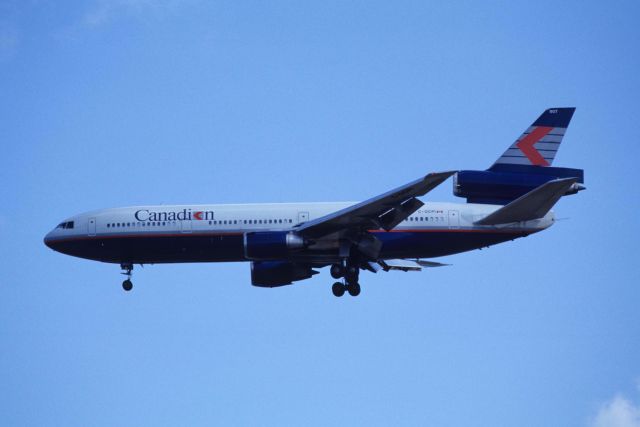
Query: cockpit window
(66, 225)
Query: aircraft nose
(49, 240)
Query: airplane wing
(384, 211)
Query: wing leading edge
(384, 211)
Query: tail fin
(539, 143)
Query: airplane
(289, 242)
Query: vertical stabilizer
(540, 142)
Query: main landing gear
(339, 289)
(350, 273)
(127, 285)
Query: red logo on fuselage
(526, 145)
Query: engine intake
(265, 245)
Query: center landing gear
(127, 285)
(350, 272)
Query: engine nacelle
(270, 274)
(503, 183)
(264, 245)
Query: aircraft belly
(158, 249)
(431, 244)
(141, 249)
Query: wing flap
(405, 264)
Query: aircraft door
(92, 227)
(185, 226)
(303, 217)
(454, 219)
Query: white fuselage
(109, 234)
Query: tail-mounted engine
(504, 183)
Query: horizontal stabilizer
(533, 205)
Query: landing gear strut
(127, 285)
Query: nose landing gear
(127, 285)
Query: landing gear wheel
(354, 289)
(128, 268)
(337, 271)
(351, 274)
(338, 289)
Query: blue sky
(122, 102)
